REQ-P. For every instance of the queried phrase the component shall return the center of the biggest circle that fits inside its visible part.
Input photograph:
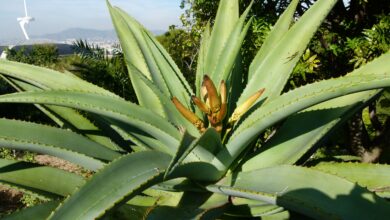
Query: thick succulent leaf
(192, 206)
(203, 149)
(46, 78)
(134, 136)
(170, 73)
(231, 51)
(133, 55)
(292, 141)
(202, 58)
(39, 146)
(277, 33)
(301, 131)
(310, 192)
(15, 75)
(185, 147)
(171, 111)
(41, 211)
(242, 207)
(147, 55)
(36, 178)
(146, 201)
(376, 177)
(107, 106)
(275, 69)
(120, 180)
(304, 97)
(225, 22)
(27, 132)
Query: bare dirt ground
(10, 199)
(57, 163)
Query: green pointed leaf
(185, 147)
(122, 179)
(36, 178)
(171, 111)
(204, 149)
(273, 73)
(192, 206)
(202, 58)
(44, 78)
(41, 211)
(301, 131)
(133, 55)
(277, 33)
(302, 98)
(225, 22)
(231, 50)
(169, 71)
(27, 132)
(376, 177)
(315, 194)
(107, 106)
(18, 76)
(157, 65)
(242, 207)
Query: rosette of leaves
(183, 154)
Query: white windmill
(25, 20)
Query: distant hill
(82, 33)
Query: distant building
(3, 51)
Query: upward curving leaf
(276, 66)
(41, 211)
(377, 77)
(277, 33)
(19, 131)
(31, 78)
(291, 141)
(376, 177)
(171, 111)
(202, 58)
(227, 18)
(204, 148)
(147, 55)
(231, 50)
(107, 106)
(44, 78)
(122, 179)
(310, 192)
(36, 178)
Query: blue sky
(57, 15)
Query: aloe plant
(183, 154)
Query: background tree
(94, 65)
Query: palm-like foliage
(168, 159)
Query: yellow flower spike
(214, 99)
(222, 112)
(203, 92)
(223, 97)
(190, 116)
(240, 110)
(201, 105)
(222, 91)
